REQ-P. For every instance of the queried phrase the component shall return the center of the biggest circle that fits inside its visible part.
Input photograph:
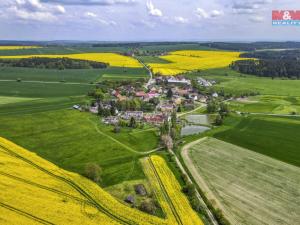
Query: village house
(138, 115)
(94, 109)
(215, 95)
(166, 107)
(203, 82)
(155, 118)
(111, 120)
(178, 81)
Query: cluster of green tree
(53, 63)
(286, 54)
(136, 104)
(170, 132)
(215, 106)
(131, 123)
(190, 190)
(288, 68)
(93, 171)
(252, 46)
(106, 85)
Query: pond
(193, 129)
(198, 119)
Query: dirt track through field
(250, 188)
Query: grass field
(37, 191)
(11, 100)
(237, 83)
(42, 90)
(168, 192)
(186, 61)
(277, 137)
(250, 188)
(71, 139)
(113, 59)
(267, 104)
(75, 75)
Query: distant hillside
(252, 46)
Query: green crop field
(237, 83)
(71, 139)
(42, 90)
(61, 50)
(249, 188)
(71, 75)
(277, 137)
(267, 104)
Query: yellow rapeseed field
(34, 191)
(168, 191)
(112, 59)
(185, 61)
(17, 47)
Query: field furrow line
(73, 185)
(28, 215)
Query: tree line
(53, 63)
(288, 68)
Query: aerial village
(151, 103)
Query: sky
(145, 20)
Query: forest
(52, 63)
(284, 68)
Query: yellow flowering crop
(168, 191)
(17, 47)
(34, 191)
(186, 61)
(112, 59)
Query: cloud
(257, 19)
(33, 10)
(180, 19)
(203, 14)
(98, 19)
(153, 11)
(216, 13)
(249, 6)
(91, 2)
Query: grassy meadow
(250, 188)
(237, 83)
(277, 137)
(267, 104)
(71, 75)
(71, 139)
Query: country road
(194, 110)
(149, 70)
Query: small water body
(193, 129)
(198, 119)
